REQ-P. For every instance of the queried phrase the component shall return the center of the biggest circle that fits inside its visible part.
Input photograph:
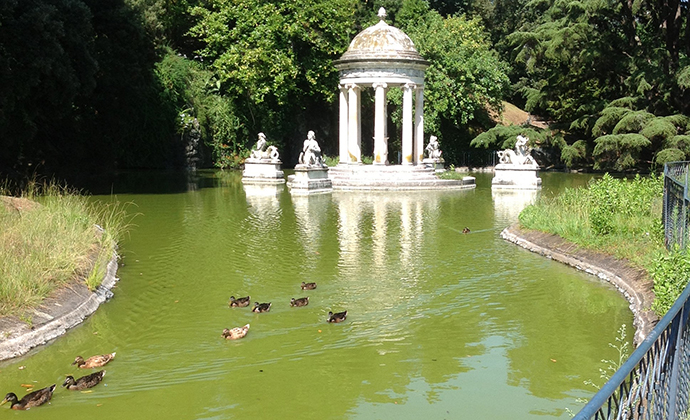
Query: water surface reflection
(441, 324)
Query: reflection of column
(380, 141)
(379, 243)
(419, 124)
(344, 122)
(408, 158)
(354, 130)
(349, 213)
(405, 232)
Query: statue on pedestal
(261, 151)
(521, 155)
(432, 149)
(311, 152)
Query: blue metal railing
(654, 383)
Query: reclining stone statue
(521, 155)
(261, 151)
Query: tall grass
(621, 217)
(49, 236)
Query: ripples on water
(440, 323)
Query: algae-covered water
(440, 324)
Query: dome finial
(382, 13)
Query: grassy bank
(51, 235)
(620, 217)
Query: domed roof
(381, 41)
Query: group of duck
(42, 396)
(240, 332)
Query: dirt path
(633, 283)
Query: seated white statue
(432, 149)
(521, 155)
(311, 152)
(261, 151)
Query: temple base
(393, 178)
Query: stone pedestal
(516, 177)
(262, 171)
(309, 180)
(435, 164)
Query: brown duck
(32, 399)
(85, 382)
(235, 333)
(299, 302)
(308, 286)
(337, 317)
(93, 361)
(239, 302)
(261, 307)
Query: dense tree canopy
(133, 83)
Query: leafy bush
(670, 272)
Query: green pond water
(440, 324)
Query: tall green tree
(274, 59)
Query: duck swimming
(337, 317)
(308, 286)
(93, 361)
(239, 302)
(85, 382)
(466, 230)
(299, 302)
(32, 399)
(235, 333)
(261, 307)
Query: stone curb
(640, 301)
(55, 318)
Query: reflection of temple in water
(383, 226)
(509, 203)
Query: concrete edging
(56, 315)
(635, 293)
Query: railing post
(677, 356)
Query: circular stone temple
(381, 57)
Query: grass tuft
(51, 235)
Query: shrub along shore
(620, 217)
(51, 235)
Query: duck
(466, 230)
(261, 307)
(308, 286)
(85, 382)
(299, 302)
(235, 333)
(337, 317)
(93, 361)
(239, 302)
(32, 399)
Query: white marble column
(419, 125)
(354, 130)
(407, 146)
(344, 123)
(380, 140)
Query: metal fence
(675, 216)
(654, 382)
